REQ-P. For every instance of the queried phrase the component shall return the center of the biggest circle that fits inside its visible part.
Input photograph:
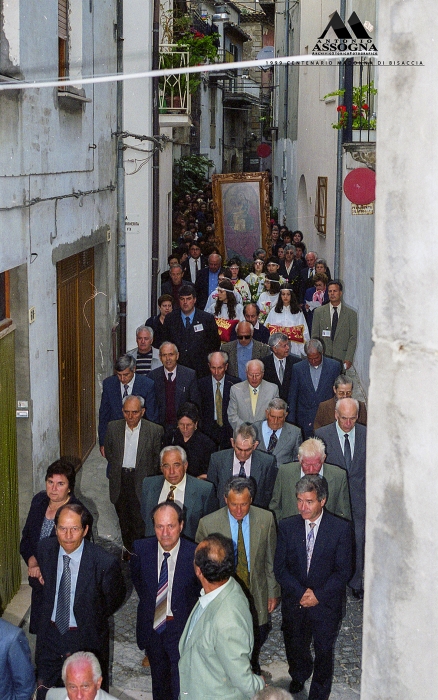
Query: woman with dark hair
(287, 318)
(255, 279)
(226, 310)
(60, 483)
(239, 283)
(165, 305)
(297, 237)
(198, 446)
(315, 296)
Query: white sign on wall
(132, 224)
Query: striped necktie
(62, 619)
(161, 601)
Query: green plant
(361, 110)
(190, 174)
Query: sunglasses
(243, 337)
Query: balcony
(223, 56)
(174, 93)
(241, 91)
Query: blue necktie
(62, 618)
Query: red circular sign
(263, 150)
(360, 186)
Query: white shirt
(74, 564)
(277, 365)
(221, 389)
(171, 564)
(315, 529)
(351, 438)
(236, 466)
(131, 446)
(194, 265)
(166, 373)
(129, 385)
(178, 494)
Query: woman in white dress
(255, 279)
(268, 298)
(239, 284)
(287, 318)
(226, 311)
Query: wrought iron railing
(174, 94)
(360, 102)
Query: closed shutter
(62, 19)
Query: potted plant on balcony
(362, 120)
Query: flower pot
(363, 135)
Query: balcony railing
(174, 92)
(360, 102)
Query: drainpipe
(286, 118)
(155, 158)
(339, 171)
(121, 237)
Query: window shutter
(63, 19)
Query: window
(4, 300)
(63, 38)
(321, 206)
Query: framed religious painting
(241, 213)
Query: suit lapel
(320, 543)
(141, 443)
(85, 568)
(339, 455)
(254, 537)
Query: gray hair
(219, 256)
(276, 338)
(342, 380)
(277, 404)
(223, 354)
(312, 482)
(290, 246)
(167, 342)
(339, 401)
(312, 252)
(270, 693)
(312, 447)
(140, 329)
(173, 448)
(133, 396)
(125, 362)
(315, 345)
(259, 362)
(250, 325)
(321, 261)
(83, 657)
(246, 431)
(238, 484)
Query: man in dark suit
(213, 408)
(307, 273)
(345, 442)
(124, 383)
(173, 284)
(335, 324)
(174, 385)
(194, 332)
(244, 460)
(312, 565)
(277, 437)
(194, 264)
(243, 349)
(82, 586)
(251, 313)
(278, 366)
(132, 447)
(164, 578)
(195, 496)
(207, 279)
(343, 389)
(311, 382)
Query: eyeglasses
(243, 337)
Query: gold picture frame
(241, 214)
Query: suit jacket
(186, 268)
(286, 449)
(215, 660)
(201, 287)
(262, 543)
(284, 500)
(356, 475)
(199, 500)
(61, 694)
(271, 375)
(263, 470)
(194, 345)
(186, 389)
(259, 350)
(303, 399)
(207, 423)
(17, 677)
(111, 401)
(330, 567)
(145, 575)
(343, 346)
(326, 413)
(294, 274)
(239, 408)
(155, 362)
(100, 591)
(148, 454)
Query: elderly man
(243, 349)
(311, 460)
(278, 366)
(82, 678)
(195, 496)
(207, 279)
(217, 641)
(124, 383)
(174, 385)
(311, 382)
(245, 461)
(312, 565)
(307, 273)
(251, 313)
(335, 324)
(342, 389)
(145, 355)
(345, 442)
(215, 397)
(163, 576)
(249, 399)
(75, 574)
(194, 332)
(254, 537)
(17, 677)
(132, 447)
(277, 437)
(174, 284)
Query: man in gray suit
(345, 442)
(249, 400)
(277, 437)
(335, 324)
(243, 349)
(244, 460)
(81, 674)
(195, 496)
(132, 447)
(311, 460)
